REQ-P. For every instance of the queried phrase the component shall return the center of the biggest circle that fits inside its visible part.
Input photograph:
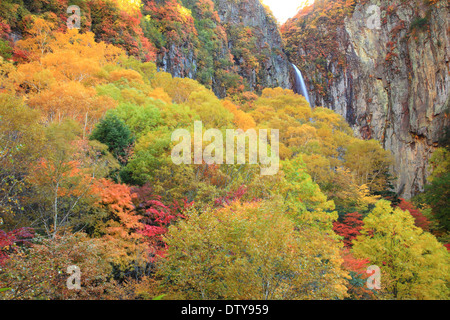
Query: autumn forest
(88, 183)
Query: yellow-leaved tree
(250, 251)
(414, 265)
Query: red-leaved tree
(8, 241)
(157, 217)
(231, 196)
(420, 220)
(357, 268)
(349, 228)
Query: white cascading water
(300, 86)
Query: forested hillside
(88, 181)
(228, 46)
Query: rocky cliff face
(230, 44)
(273, 64)
(388, 75)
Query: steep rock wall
(391, 80)
(228, 45)
(274, 66)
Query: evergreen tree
(113, 132)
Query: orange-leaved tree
(121, 226)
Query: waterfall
(300, 86)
